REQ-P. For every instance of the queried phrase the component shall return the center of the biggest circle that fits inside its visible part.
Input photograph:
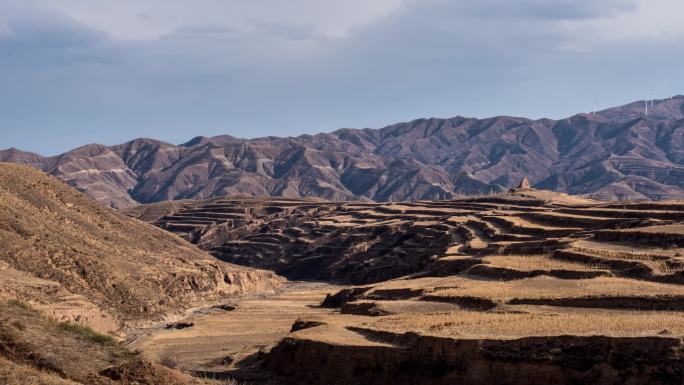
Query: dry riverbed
(223, 341)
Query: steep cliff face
(617, 153)
(412, 359)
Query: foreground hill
(618, 153)
(82, 262)
(527, 287)
(35, 350)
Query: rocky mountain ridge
(618, 153)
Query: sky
(74, 72)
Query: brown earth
(35, 350)
(82, 262)
(223, 344)
(528, 287)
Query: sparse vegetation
(35, 349)
(496, 268)
(18, 303)
(538, 262)
(87, 333)
(619, 255)
(232, 381)
(473, 324)
(547, 287)
(167, 359)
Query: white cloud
(644, 22)
(543, 9)
(150, 19)
(651, 20)
(174, 69)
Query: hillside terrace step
(219, 209)
(582, 221)
(518, 225)
(642, 236)
(201, 222)
(624, 213)
(647, 206)
(191, 218)
(541, 246)
(185, 227)
(267, 238)
(211, 214)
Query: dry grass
(537, 262)
(618, 254)
(232, 381)
(17, 374)
(664, 267)
(468, 324)
(167, 359)
(87, 333)
(37, 350)
(256, 323)
(666, 229)
(547, 287)
(520, 222)
(45, 346)
(18, 304)
(662, 264)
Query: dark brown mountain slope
(83, 262)
(619, 153)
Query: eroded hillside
(80, 261)
(35, 350)
(529, 287)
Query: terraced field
(522, 288)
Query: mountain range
(619, 153)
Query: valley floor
(224, 343)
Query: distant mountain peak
(617, 153)
(669, 108)
(217, 140)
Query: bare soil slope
(83, 262)
(35, 350)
